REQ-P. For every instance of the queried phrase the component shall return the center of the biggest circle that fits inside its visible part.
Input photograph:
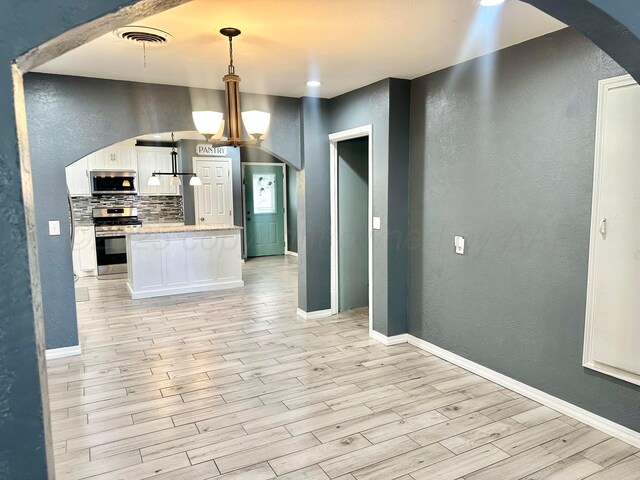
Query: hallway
(233, 385)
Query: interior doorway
(214, 198)
(351, 220)
(264, 188)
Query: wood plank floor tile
(343, 465)
(233, 385)
(314, 455)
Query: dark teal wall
(314, 215)
(27, 24)
(511, 169)
(373, 105)
(353, 224)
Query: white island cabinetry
(169, 260)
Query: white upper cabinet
(78, 178)
(155, 159)
(121, 156)
(124, 156)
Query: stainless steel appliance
(105, 182)
(111, 248)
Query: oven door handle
(109, 235)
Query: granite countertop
(178, 229)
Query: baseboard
(63, 352)
(607, 426)
(314, 315)
(388, 341)
(161, 292)
(293, 254)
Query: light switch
(459, 245)
(54, 227)
(376, 223)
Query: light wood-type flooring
(233, 385)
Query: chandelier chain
(232, 69)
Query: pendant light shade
(153, 181)
(256, 123)
(174, 181)
(212, 124)
(208, 123)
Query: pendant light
(212, 124)
(154, 180)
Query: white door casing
(214, 198)
(612, 325)
(334, 138)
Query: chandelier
(154, 179)
(211, 124)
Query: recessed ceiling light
(157, 136)
(314, 83)
(491, 3)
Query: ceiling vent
(145, 35)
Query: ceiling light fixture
(211, 124)
(154, 180)
(491, 3)
(314, 83)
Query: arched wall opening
(609, 26)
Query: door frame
(334, 139)
(195, 170)
(284, 201)
(604, 86)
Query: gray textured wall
(353, 223)
(28, 24)
(372, 105)
(508, 163)
(70, 117)
(314, 213)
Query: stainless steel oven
(105, 182)
(111, 246)
(111, 252)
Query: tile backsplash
(151, 209)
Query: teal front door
(264, 204)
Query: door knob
(603, 227)
(202, 219)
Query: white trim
(388, 341)
(334, 138)
(284, 201)
(72, 351)
(313, 315)
(588, 361)
(596, 421)
(194, 160)
(289, 252)
(161, 292)
(607, 426)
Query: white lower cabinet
(84, 252)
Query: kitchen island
(169, 260)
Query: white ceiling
(345, 44)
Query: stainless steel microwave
(107, 182)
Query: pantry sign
(206, 150)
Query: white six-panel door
(214, 198)
(612, 333)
